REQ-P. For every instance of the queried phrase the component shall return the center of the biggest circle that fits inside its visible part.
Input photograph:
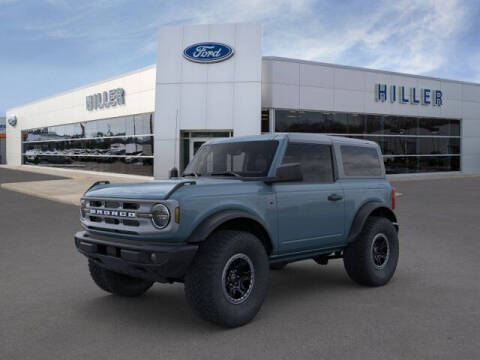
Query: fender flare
(364, 212)
(208, 225)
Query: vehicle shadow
(164, 307)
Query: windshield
(242, 159)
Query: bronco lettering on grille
(112, 213)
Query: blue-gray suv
(244, 206)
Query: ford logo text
(208, 52)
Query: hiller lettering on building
(411, 95)
(105, 99)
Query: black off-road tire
(278, 266)
(206, 279)
(116, 283)
(359, 259)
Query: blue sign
(208, 52)
(12, 120)
(414, 97)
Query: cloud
(403, 35)
(419, 39)
(67, 43)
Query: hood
(153, 190)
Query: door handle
(334, 197)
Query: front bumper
(134, 258)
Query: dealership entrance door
(192, 141)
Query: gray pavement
(50, 309)
(13, 176)
(63, 185)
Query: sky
(50, 46)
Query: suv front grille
(115, 214)
(122, 216)
(111, 204)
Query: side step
(323, 259)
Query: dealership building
(212, 81)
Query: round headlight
(160, 216)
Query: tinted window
(399, 145)
(246, 158)
(315, 161)
(374, 124)
(360, 161)
(455, 127)
(336, 123)
(143, 124)
(434, 127)
(399, 125)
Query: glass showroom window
(121, 145)
(409, 144)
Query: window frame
(338, 146)
(332, 159)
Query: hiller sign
(411, 95)
(105, 99)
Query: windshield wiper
(193, 173)
(226, 173)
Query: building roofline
(267, 58)
(279, 58)
(83, 87)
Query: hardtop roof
(296, 137)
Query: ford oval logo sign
(12, 120)
(208, 52)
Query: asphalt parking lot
(50, 308)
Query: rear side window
(360, 161)
(315, 161)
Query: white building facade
(212, 81)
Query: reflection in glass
(137, 166)
(434, 163)
(336, 123)
(399, 125)
(355, 124)
(142, 124)
(401, 165)
(103, 128)
(90, 129)
(393, 145)
(360, 161)
(374, 124)
(455, 163)
(432, 126)
(455, 127)
(93, 145)
(433, 146)
(117, 126)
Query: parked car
(244, 206)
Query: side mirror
(288, 172)
(173, 173)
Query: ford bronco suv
(242, 207)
